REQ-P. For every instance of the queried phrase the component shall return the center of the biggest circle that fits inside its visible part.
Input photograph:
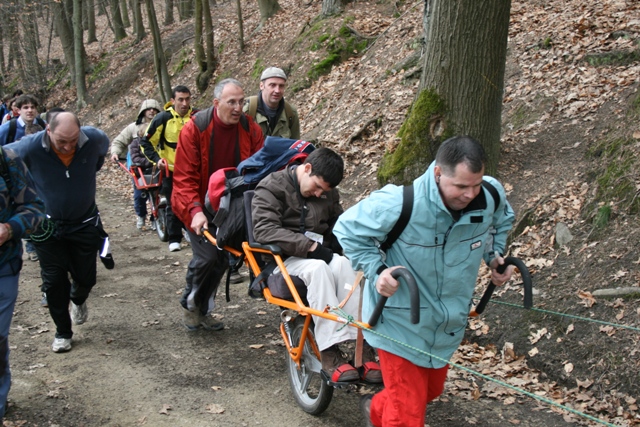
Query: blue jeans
(8, 295)
(139, 202)
(29, 246)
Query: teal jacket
(442, 254)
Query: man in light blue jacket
(454, 224)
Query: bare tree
(240, 26)
(137, 17)
(124, 11)
(31, 68)
(185, 9)
(332, 7)
(81, 85)
(164, 82)
(118, 26)
(90, 12)
(268, 8)
(168, 13)
(198, 41)
(461, 87)
(205, 75)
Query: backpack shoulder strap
(4, 169)
(494, 193)
(253, 106)
(41, 122)
(289, 112)
(403, 220)
(11, 135)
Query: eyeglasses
(234, 104)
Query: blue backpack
(276, 153)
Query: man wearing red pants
(459, 217)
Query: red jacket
(191, 169)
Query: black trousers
(71, 250)
(174, 225)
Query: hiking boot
(336, 367)
(370, 370)
(60, 345)
(210, 324)
(190, 319)
(140, 223)
(365, 408)
(44, 302)
(174, 247)
(79, 313)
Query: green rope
(46, 229)
(350, 320)
(572, 316)
(502, 383)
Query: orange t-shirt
(66, 158)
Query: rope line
(350, 320)
(572, 316)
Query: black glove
(321, 252)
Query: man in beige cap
(270, 110)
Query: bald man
(63, 161)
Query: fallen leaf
(216, 387)
(535, 337)
(568, 368)
(587, 299)
(214, 409)
(533, 352)
(165, 409)
(570, 329)
(256, 346)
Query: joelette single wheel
(309, 390)
(161, 225)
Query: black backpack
(13, 127)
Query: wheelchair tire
(161, 225)
(311, 393)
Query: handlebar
(413, 292)
(526, 281)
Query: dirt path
(134, 364)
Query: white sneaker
(153, 225)
(140, 222)
(60, 345)
(79, 313)
(174, 247)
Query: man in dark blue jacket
(64, 161)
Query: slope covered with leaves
(570, 150)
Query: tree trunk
(90, 9)
(168, 13)
(124, 11)
(3, 69)
(461, 87)
(240, 26)
(139, 25)
(268, 8)
(203, 79)
(332, 7)
(81, 86)
(185, 9)
(164, 82)
(65, 33)
(118, 26)
(34, 73)
(198, 41)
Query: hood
(148, 103)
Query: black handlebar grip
(526, 281)
(413, 292)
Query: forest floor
(134, 364)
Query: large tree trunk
(168, 13)
(164, 82)
(81, 86)
(124, 11)
(202, 81)
(118, 26)
(198, 41)
(3, 69)
(139, 25)
(461, 87)
(268, 8)
(65, 33)
(332, 7)
(185, 9)
(34, 73)
(90, 10)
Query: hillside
(570, 150)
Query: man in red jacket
(219, 137)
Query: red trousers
(407, 390)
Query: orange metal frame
(297, 305)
